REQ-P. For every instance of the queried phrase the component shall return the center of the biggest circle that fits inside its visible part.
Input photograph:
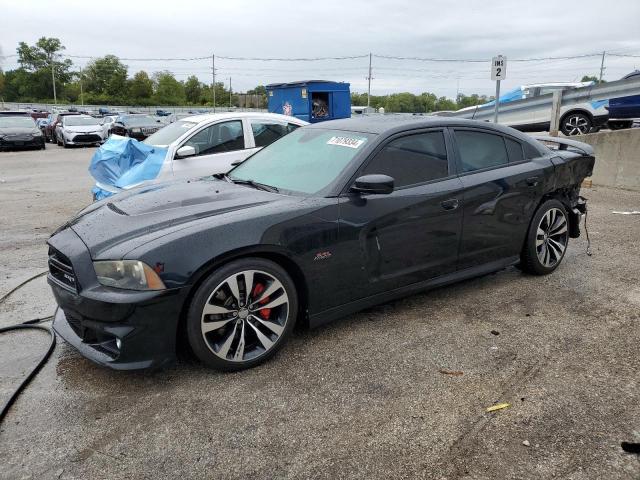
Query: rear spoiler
(565, 143)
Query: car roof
(558, 84)
(222, 116)
(390, 124)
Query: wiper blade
(254, 184)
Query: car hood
(83, 128)
(18, 130)
(156, 210)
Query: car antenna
(474, 112)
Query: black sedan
(135, 126)
(19, 131)
(333, 218)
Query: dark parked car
(623, 110)
(136, 126)
(19, 131)
(330, 219)
(14, 113)
(50, 128)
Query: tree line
(107, 81)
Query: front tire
(576, 123)
(242, 314)
(547, 239)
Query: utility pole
(369, 88)
(602, 66)
(213, 73)
(81, 95)
(53, 78)
(229, 92)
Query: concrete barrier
(617, 158)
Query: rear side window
(480, 150)
(266, 132)
(412, 159)
(530, 151)
(514, 149)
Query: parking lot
(397, 391)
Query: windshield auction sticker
(345, 142)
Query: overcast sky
(462, 29)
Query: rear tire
(547, 239)
(242, 314)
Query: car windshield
(8, 122)
(170, 133)
(306, 160)
(77, 121)
(138, 120)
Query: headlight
(37, 134)
(127, 274)
(136, 130)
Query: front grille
(149, 130)
(89, 138)
(61, 269)
(19, 138)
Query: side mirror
(374, 183)
(185, 151)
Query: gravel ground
(364, 397)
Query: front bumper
(21, 142)
(84, 138)
(119, 329)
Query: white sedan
(79, 130)
(213, 143)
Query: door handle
(450, 204)
(532, 181)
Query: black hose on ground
(30, 324)
(33, 325)
(18, 287)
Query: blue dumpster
(310, 100)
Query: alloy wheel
(551, 237)
(245, 316)
(577, 125)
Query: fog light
(118, 343)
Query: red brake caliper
(257, 291)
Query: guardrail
(603, 91)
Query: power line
(349, 57)
(311, 59)
(85, 57)
(478, 60)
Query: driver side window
(218, 138)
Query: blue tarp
(124, 161)
(510, 96)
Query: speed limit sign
(499, 68)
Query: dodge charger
(330, 219)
